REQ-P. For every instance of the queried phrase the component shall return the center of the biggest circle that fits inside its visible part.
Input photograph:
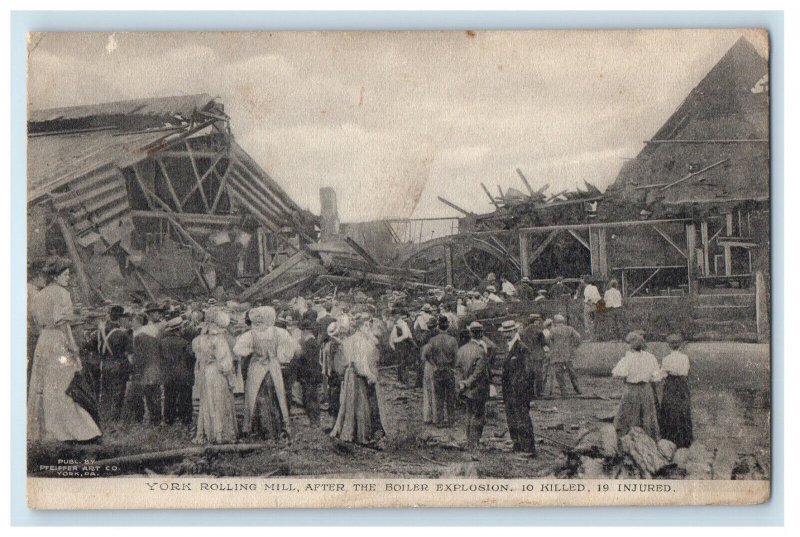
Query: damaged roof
(178, 106)
(714, 149)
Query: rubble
(643, 450)
(599, 440)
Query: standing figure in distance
(472, 363)
(518, 386)
(675, 411)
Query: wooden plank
(667, 238)
(645, 281)
(211, 169)
(494, 202)
(544, 244)
(693, 174)
(361, 251)
(691, 261)
(171, 189)
(267, 279)
(705, 244)
(454, 206)
(580, 239)
(448, 264)
(523, 254)
(197, 176)
(193, 218)
(525, 181)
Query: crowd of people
(121, 366)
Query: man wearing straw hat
(518, 389)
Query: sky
(392, 120)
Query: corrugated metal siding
(97, 205)
(54, 161)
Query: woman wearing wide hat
(52, 414)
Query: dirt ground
(730, 403)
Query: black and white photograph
(442, 263)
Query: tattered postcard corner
(321, 269)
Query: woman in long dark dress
(675, 410)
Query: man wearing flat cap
(472, 364)
(518, 389)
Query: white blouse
(675, 363)
(638, 366)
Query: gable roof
(720, 133)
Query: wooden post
(704, 239)
(523, 254)
(448, 263)
(598, 251)
(77, 264)
(691, 258)
(762, 309)
(727, 248)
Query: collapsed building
(154, 197)
(683, 228)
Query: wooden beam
(596, 225)
(140, 181)
(525, 181)
(192, 218)
(172, 192)
(184, 154)
(361, 251)
(494, 202)
(448, 264)
(206, 174)
(646, 281)
(705, 244)
(691, 260)
(667, 238)
(539, 249)
(77, 263)
(727, 247)
(454, 206)
(525, 265)
(197, 176)
(693, 174)
(223, 185)
(267, 279)
(579, 239)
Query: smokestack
(329, 214)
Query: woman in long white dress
(266, 412)
(52, 414)
(214, 381)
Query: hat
(55, 265)
(559, 319)
(525, 279)
(116, 311)
(475, 325)
(443, 322)
(542, 291)
(491, 288)
(333, 329)
(432, 322)
(508, 326)
(427, 308)
(534, 317)
(219, 318)
(548, 323)
(175, 322)
(674, 339)
(211, 300)
(635, 340)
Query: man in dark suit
(116, 346)
(472, 363)
(178, 364)
(146, 379)
(518, 389)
